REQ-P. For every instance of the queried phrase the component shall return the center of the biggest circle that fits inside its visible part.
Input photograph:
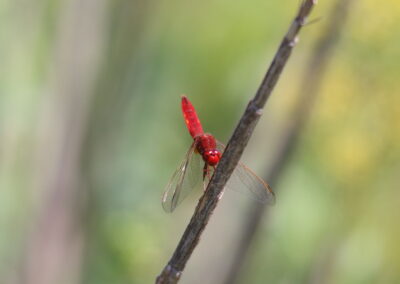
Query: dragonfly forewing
(186, 178)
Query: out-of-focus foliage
(337, 211)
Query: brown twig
(207, 203)
(308, 92)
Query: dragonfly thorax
(207, 147)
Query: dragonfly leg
(209, 174)
(205, 171)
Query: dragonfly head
(212, 157)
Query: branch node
(176, 273)
(302, 21)
(293, 42)
(169, 275)
(253, 107)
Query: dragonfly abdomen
(191, 119)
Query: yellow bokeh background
(91, 127)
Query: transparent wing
(184, 180)
(244, 180)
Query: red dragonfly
(205, 148)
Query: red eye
(213, 157)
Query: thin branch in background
(207, 203)
(54, 248)
(309, 88)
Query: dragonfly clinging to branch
(206, 149)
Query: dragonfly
(206, 150)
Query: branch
(235, 147)
(316, 68)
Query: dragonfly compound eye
(213, 157)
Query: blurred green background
(91, 131)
